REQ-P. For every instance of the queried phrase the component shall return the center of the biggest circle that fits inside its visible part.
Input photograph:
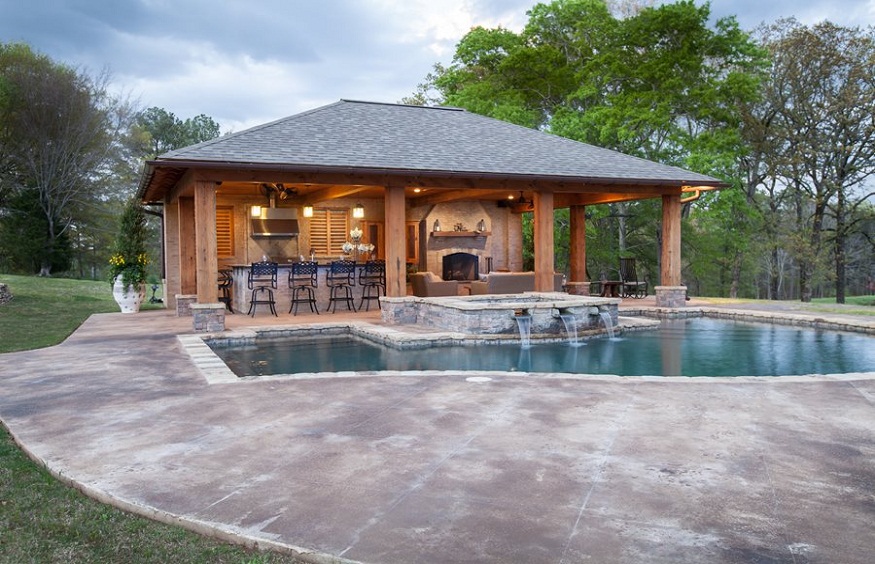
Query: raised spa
(498, 314)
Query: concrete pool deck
(445, 468)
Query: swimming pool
(679, 347)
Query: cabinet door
(411, 242)
(375, 234)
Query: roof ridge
(398, 105)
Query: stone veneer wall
(503, 244)
(671, 296)
(208, 318)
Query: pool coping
(214, 370)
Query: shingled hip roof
(392, 138)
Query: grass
(44, 311)
(42, 519)
(854, 305)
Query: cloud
(246, 63)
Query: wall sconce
(255, 211)
(358, 211)
(307, 210)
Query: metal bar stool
(262, 282)
(303, 281)
(225, 283)
(372, 279)
(340, 280)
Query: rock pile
(5, 294)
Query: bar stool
(262, 281)
(302, 281)
(340, 280)
(372, 279)
(225, 283)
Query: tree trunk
(774, 276)
(840, 255)
(736, 275)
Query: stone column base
(208, 318)
(577, 288)
(671, 296)
(183, 304)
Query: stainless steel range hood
(276, 222)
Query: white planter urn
(128, 300)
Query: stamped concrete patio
(399, 469)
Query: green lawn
(43, 520)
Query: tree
(23, 233)
(662, 83)
(59, 128)
(162, 131)
(816, 136)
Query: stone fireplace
(459, 238)
(461, 266)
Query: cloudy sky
(246, 62)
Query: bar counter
(241, 294)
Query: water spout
(524, 323)
(570, 321)
(608, 322)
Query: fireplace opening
(461, 266)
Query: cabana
(421, 183)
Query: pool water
(684, 347)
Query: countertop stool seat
(340, 281)
(303, 282)
(262, 282)
(372, 279)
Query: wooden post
(670, 270)
(171, 254)
(396, 261)
(205, 241)
(577, 242)
(187, 247)
(543, 241)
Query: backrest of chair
(225, 278)
(304, 272)
(627, 269)
(342, 270)
(373, 272)
(262, 274)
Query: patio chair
(372, 279)
(262, 282)
(340, 280)
(595, 286)
(303, 282)
(630, 286)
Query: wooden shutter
(225, 231)
(329, 229)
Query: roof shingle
(367, 135)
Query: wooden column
(670, 269)
(577, 242)
(396, 262)
(171, 254)
(205, 241)
(187, 248)
(543, 227)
